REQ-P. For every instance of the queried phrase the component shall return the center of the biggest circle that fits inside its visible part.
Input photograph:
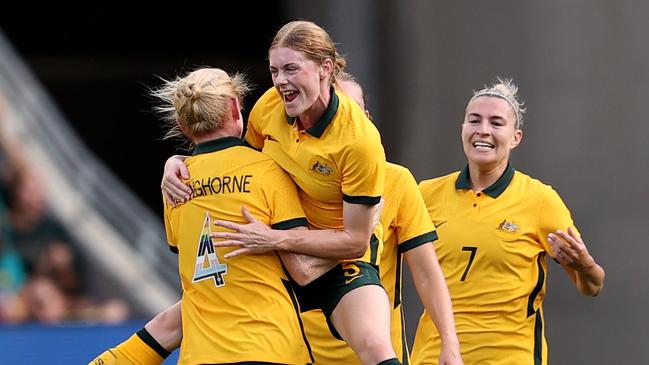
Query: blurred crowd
(42, 275)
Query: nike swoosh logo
(352, 279)
(271, 138)
(439, 224)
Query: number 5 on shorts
(351, 272)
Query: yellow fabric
(111, 357)
(497, 298)
(407, 222)
(133, 351)
(237, 309)
(345, 161)
(138, 352)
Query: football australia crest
(506, 226)
(321, 168)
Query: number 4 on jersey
(207, 264)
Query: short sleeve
(553, 215)
(413, 224)
(254, 137)
(363, 171)
(282, 198)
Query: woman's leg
(362, 318)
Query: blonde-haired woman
(240, 310)
(496, 225)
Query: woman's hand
(450, 354)
(569, 249)
(571, 252)
(173, 188)
(252, 237)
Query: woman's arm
(349, 242)
(166, 327)
(571, 252)
(303, 268)
(433, 292)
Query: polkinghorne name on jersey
(220, 185)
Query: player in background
(496, 225)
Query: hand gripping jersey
(406, 225)
(243, 308)
(492, 247)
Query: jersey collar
(326, 118)
(494, 190)
(217, 145)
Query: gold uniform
(407, 225)
(339, 159)
(241, 309)
(492, 250)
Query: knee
(375, 347)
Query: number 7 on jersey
(473, 251)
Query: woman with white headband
(496, 225)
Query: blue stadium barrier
(67, 344)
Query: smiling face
(489, 132)
(297, 78)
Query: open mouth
(289, 95)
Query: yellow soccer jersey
(339, 159)
(492, 247)
(243, 308)
(407, 225)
